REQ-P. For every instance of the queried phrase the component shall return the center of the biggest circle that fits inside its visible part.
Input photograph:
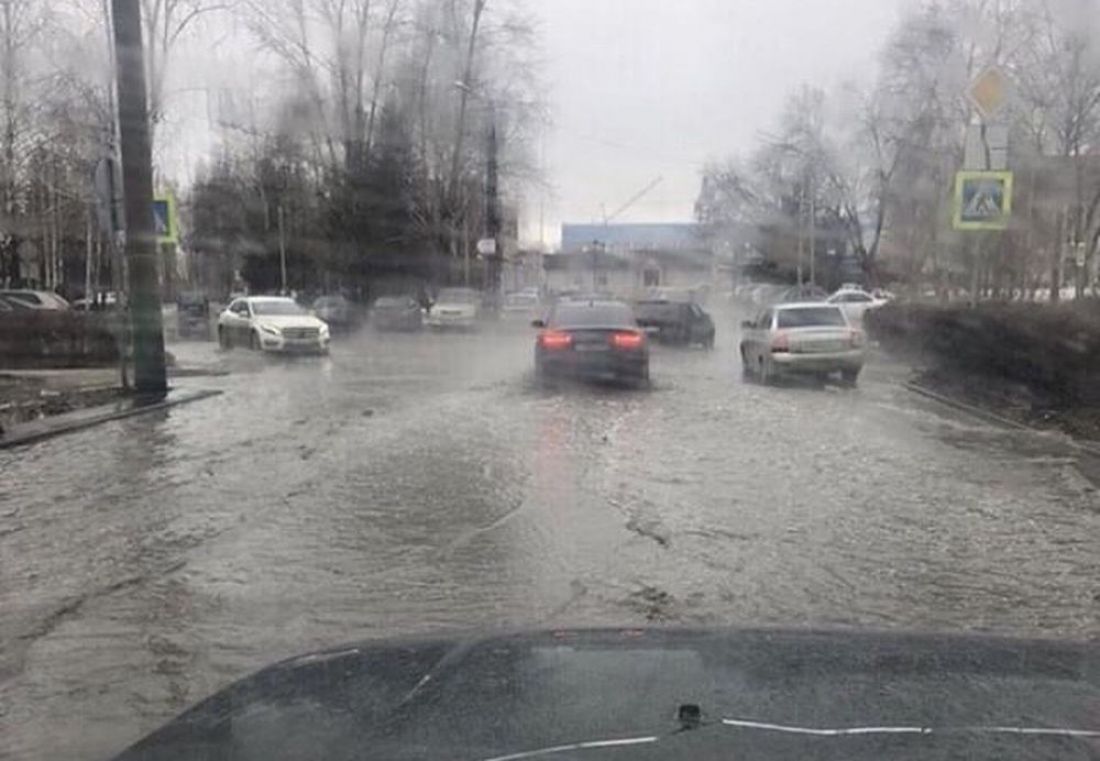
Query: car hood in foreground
(590, 694)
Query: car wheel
(223, 339)
(850, 376)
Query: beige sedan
(811, 338)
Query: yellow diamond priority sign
(988, 92)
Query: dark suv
(676, 323)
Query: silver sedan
(808, 338)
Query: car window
(26, 296)
(807, 317)
(580, 315)
(657, 310)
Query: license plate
(591, 347)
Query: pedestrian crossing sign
(165, 222)
(983, 200)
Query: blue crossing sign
(164, 219)
(983, 200)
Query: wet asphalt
(416, 483)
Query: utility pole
(150, 376)
(282, 247)
(813, 233)
(492, 211)
(798, 228)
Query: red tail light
(555, 339)
(781, 342)
(628, 340)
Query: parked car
(522, 305)
(193, 315)
(104, 301)
(337, 312)
(36, 299)
(855, 302)
(591, 340)
(454, 308)
(676, 322)
(271, 323)
(810, 338)
(396, 313)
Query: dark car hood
(616, 694)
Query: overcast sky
(642, 89)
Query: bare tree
(1058, 78)
(22, 24)
(166, 22)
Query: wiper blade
(589, 745)
(811, 731)
(909, 730)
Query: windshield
(407, 322)
(810, 317)
(597, 315)
(658, 310)
(276, 308)
(390, 303)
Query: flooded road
(414, 483)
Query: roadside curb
(993, 418)
(30, 433)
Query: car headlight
(324, 330)
(270, 329)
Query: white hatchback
(271, 323)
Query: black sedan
(338, 313)
(676, 323)
(397, 313)
(592, 340)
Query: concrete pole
(282, 248)
(150, 376)
(813, 238)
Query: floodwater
(414, 483)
